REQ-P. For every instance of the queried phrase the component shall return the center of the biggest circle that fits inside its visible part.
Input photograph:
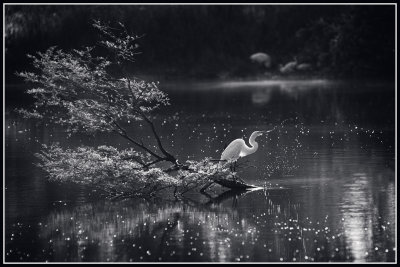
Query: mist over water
(327, 174)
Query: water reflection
(312, 101)
(362, 223)
(330, 184)
(228, 227)
(292, 90)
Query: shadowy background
(330, 167)
(215, 41)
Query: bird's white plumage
(234, 150)
(304, 67)
(261, 58)
(288, 68)
(238, 148)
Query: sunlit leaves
(202, 172)
(30, 114)
(79, 89)
(118, 42)
(76, 88)
(121, 171)
(104, 167)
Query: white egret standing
(262, 59)
(304, 67)
(238, 149)
(289, 67)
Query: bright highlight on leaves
(79, 90)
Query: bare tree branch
(124, 134)
(169, 157)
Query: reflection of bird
(238, 148)
(261, 58)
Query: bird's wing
(232, 151)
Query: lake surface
(326, 175)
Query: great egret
(262, 59)
(288, 67)
(304, 67)
(238, 149)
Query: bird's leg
(231, 167)
(234, 169)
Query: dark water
(327, 177)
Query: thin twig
(124, 134)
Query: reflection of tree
(188, 230)
(230, 194)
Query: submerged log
(234, 184)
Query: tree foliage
(211, 40)
(354, 43)
(79, 90)
(111, 170)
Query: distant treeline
(215, 41)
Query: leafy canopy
(78, 88)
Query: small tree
(79, 89)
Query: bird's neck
(253, 144)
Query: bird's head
(259, 133)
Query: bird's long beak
(264, 132)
